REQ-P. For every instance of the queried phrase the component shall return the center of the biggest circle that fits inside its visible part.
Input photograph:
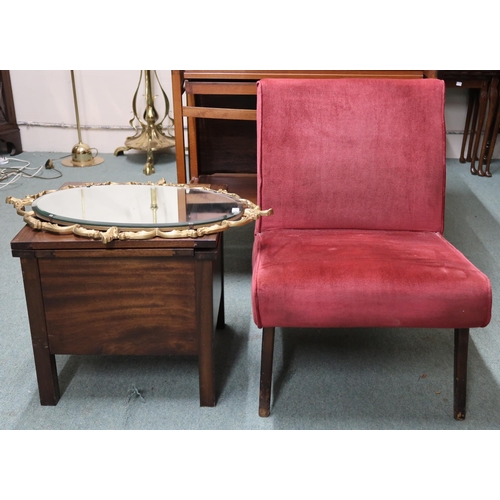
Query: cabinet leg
(46, 373)
(45, 362)
(205, 323)
(206, 365)
(221, 320)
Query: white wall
(105, 100)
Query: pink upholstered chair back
(351, 154)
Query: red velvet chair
(354, 170)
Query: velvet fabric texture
(354, 171)
(344, 278)
(352, 154)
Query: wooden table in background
(220, 108)
(482, 108)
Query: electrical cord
(9, 175)
(49, 164)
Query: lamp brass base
(69, 162)
(81, 156)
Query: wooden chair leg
(266, 371)
(467, 134)
(483, 102)
(460, 372)
(473, 126)
(495, 132)
(492, 102)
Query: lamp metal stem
(76, 106)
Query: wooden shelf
(220, 110)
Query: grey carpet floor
(332, 379)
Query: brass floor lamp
(81, 154)
(150, 136)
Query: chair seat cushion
(348, 278)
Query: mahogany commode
(158, 296)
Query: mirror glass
(137, 206)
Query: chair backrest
(351, 154)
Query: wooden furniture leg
(471, 107)
(266, 371)
(205, 327)
(493, 103)
(13, 142)
(473, 129)
(192, 141)
(45, 363)
(460, 372)
(483, 102)
(494, 135)
(221, 316)
(180, 155)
